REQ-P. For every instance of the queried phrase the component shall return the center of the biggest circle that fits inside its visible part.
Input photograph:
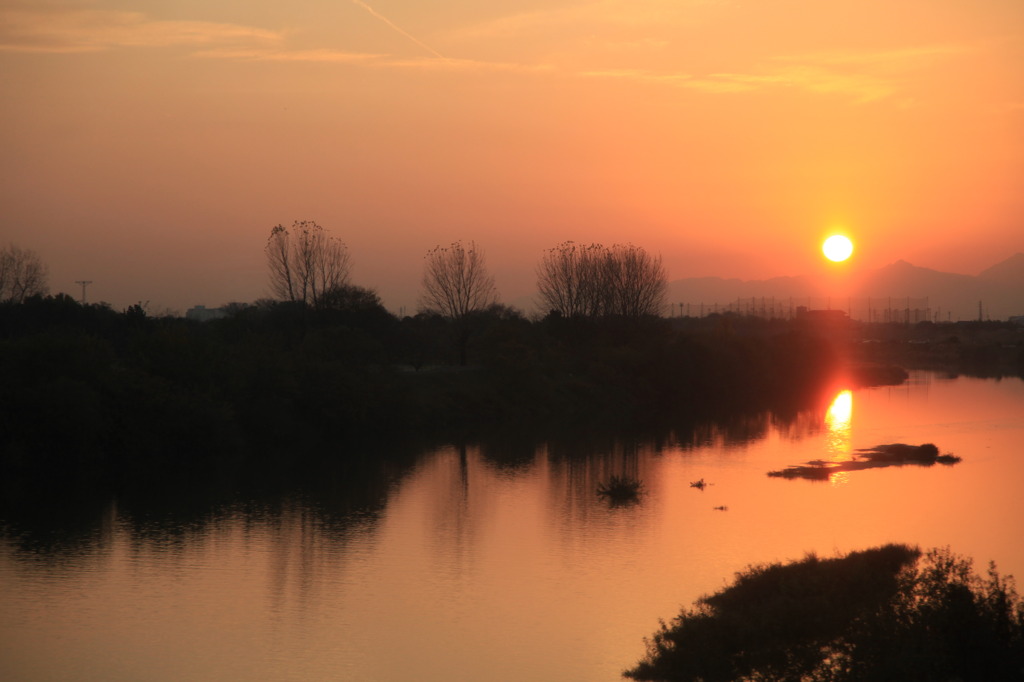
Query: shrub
(884, 613)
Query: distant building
(829, 322)
(1017, 319)
(821, 317)
(201, 313)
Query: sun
(837, 248)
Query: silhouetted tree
(456, 285)
(22, 274)
(361, 307)
(592, 280)
(456, 281)
(569, 279)
(234, 308)
(137, 312)
(349, 297)
(637, 281)
(305, 263)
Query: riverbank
(983, 349)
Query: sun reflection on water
(837, 422)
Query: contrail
(390, 23)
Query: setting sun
(837, 248)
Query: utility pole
(84, 283)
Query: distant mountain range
(921, 292)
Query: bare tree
(569, 279)
(456, 281)
(279, 260)
(305, 263)
(592, 280)
(636, 282)
(22, 274)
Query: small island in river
(893, 454)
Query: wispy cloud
(76, 31)
(399, 29)
(586, 17)
(383, 61)
(861, 75)
(43, 30)
(896, 58)
(465, 65)
(859, 87)
(61, 30)
(864, 75)
(641, 76)
(273, 55)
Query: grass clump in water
(620, 488)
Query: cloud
(588, 17)
(398, 29)
(70, 31)
(897, 58)
(64, 31)
(465, 65)
(864, 75)
(368, 59)
(641, 76)
(42, 30)
(862, 88)
(272, 55)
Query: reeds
(620, 488)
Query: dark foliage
(986, 349)
(887, 613)
(88, 390)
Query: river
(498, 561)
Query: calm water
(498, 563)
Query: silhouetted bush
(887, 613)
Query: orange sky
(150, 146)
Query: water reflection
(837, 422)
(328, 492)
(486, 560)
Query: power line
(84, 283)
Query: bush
(884, 613)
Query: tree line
(90, 389)
(573, 280)
(309, 266)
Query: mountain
(1010, 271)
(896, 289)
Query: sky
(150, 146)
